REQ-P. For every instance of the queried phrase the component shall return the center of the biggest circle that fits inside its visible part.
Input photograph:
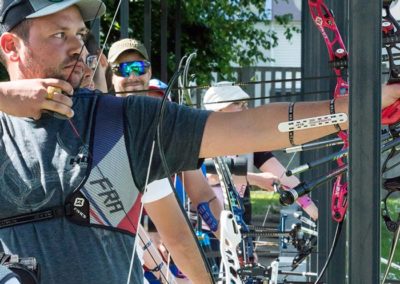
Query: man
(45, 160)
(97, 61)
(131, 68)
(63, 44)
(130, 65)
(27, 45)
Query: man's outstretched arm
(257, 129)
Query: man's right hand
(27, 98)
(264, 180)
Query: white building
(288, 52)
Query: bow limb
(231, 231)
(338, 56)
(230, 239)
(183, 80)
(230, 236)
(106, 39)
(176, 75)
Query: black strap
(157, 268)
(290, 114)
(4, 257)
(33, 217)
(332, 110)
(147, 245)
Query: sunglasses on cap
(125, 69)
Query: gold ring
(50, 92)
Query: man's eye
(81, 36)
(59, 35)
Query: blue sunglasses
(125, 69)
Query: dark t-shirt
(36, 173)
(261, 157)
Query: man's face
(53, 48)
(235, 106)
(133, 82)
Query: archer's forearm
(177, 237)
(257, 129)
(198, 190)
(188, 259)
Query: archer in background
(87, 79)
(97, 62)
(233, 99)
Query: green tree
(223, 32)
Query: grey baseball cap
(12, 12)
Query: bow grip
(391, 114)
(339, 202)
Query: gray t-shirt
(41, 164)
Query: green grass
(261, 199)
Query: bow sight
(239, 271)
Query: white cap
(220, 92)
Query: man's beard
(34, 68)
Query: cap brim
(89, 9)
(216, 106)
